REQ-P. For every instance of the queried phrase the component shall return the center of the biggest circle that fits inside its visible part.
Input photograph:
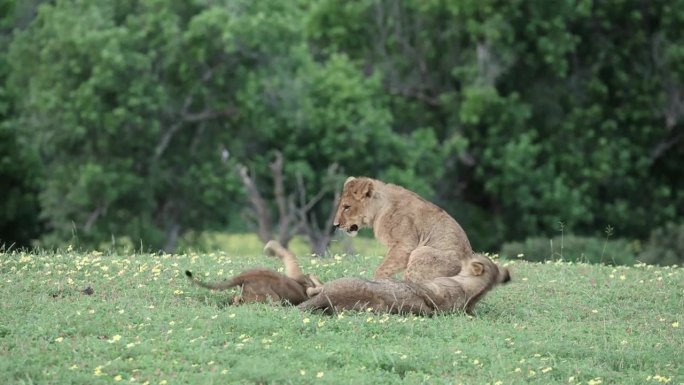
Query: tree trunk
(263, 218)
(172, 237)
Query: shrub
(665, 246)
(573, 248)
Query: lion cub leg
(395, 261)
(316, 288)
(274, 249)
(426, 263)
(292, 270)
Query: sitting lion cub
(460, 292)
(263, 285)
(422, 240)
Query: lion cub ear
(477, 268)
(363, 189)
(351, 178)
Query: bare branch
(93, 217)
(185, 116)
(295, 214)
(279, 191)
(207, 115)
(294, 226)
(418, 95)
(333, 209)
(674, 108)
(166, 139)
(262, 215)
(319, 236)
(172, 237)
(207, 75)
(305, 206)
(663, 147)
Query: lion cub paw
(313, 291)
(271, 247)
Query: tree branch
(166, 139)
(207, 115)
(262, 215)
(318, 236)
(662, 147)
(285, 215)
(420, 96)
(189, 117)
(92, 218)
(172, 236)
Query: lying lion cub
(422, 240)
(263, 285)
(460, 292)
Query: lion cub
(460, 292)
(422, 240)
(265, 286)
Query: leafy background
(518, 117)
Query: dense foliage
(665, 246)
(19, 167)
(512, 115)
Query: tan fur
(263, 285)
(292, 270)
(422, 240)
(444, 294)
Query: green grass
(144, 324)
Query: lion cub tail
(227, 284)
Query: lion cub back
(385, 295)
(259, 285)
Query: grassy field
(144, 324)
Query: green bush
(665, 246)
(573, 248)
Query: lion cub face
(353, 208)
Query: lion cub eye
(345, 207)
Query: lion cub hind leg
(383, 296)
(426, 263)
(340, 294)
(395, 261)
(274, 249)
(316, 288)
